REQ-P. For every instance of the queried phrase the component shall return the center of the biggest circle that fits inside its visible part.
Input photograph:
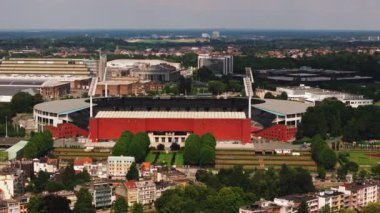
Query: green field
(362, 159)
(165, 158)
(179, 159)
(150, 157)
(377, 103)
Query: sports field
(363, 159)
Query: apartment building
(359, 195)
(333, 199)
(118, 166)
(101, 193)
(146, 192)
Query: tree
(24, 102)
(209, 140)
(137, 150)
(216, 87)
(204, 74)
(351, 166)
(36, 204)
(160, 147)
(376, 171)
(184, 85)
(122, 145)
(321, 172)
(303, 208)
(191, 153)
(133, 173)
(120, 205)
(371, 208)
(39, 145)
(84, 202)
(137, 208)
(269, 95)
(207, 156)
(283, 96)
(40, 181)
(143, 138)
(175, 147)
(328, 158)
(57, 204)
(363, 174)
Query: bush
(175, 147)
(161, 147)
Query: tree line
(232, 188)
(200, 151)
(129, 144)
(332, 118)
(21, 102)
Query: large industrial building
(218, 64)
(310, 75)
(315, 95)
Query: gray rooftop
(282, 107)
(63, 106)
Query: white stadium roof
(282, 107)
(63, 106)
(171, 114)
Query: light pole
(6, 126)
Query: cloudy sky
(148, 14)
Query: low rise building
(6, 186)
(98, 169)
(45, 164)
(118, 166)
(316, 95)
(101, 193)
(261, 206)
(359, 195)
(333, 199)
(143, 192)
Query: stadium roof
(171, 114)
(63, 106)
(282, 107)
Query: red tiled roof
(82, 161)
(131, 184)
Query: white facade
(118, 166)
(146, 191)
(315, 95)
(44, 166)
(6, 186)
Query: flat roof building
(218, 64)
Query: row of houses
(352, 196)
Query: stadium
(169, 119)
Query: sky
(190, 14)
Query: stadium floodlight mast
(6, 126)
(91, 92)
(248, 81)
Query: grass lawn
(165, 158)
(179, 159)
(150, 157)
(377, 103)
(362, 159)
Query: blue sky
(184, 14)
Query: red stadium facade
(223, 129)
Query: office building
(218, 64)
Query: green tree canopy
(191, 153)
(84, 202)
(133, 173)
(120, 205)
(207, 156)
(371, 208)
(303, 208)
(122, 145)
(36, 204)
(216, 87)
